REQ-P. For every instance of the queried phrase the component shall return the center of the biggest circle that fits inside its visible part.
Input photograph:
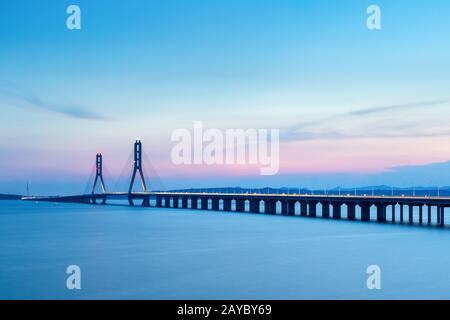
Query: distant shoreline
(10, 197)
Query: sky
(354, 106)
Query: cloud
(364, 112)
(306, 135)
(313, 129)
(30, 101)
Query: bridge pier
(410, 217)
(303, 208)
(351, 211)
(312, 206)
(270, 206)
(184, 202)
(442, 215)
(254, 205)
(438, 214)
(401, 212)
(103, 200)
(291, 208)
(365, 211)
(240, 205)
(393, 212)
(337, 213)
(158, 202)
(146, 201)
(94, 198)
(175, 202)
(429, 214)
(194, 203)
(226, 204)
(130, 200)
(215, 204)
(204, 203)
(166, 202)
(284, 208)
(325, 209)
(421, 214)
(381, 212)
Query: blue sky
(349, 101)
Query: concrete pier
(429, 214)
(184, 202)
(304, 209)
(194, 203)
(365, 212)
(381, 212)
(204, 203)
(158, 202)
(175, 202)
(215, 204)
(291, 207)
(351, 211)
(270, 206)
(421, 214)
(284, 208)
(146, 202)
(438, 214)
(325, 209)
(227, 205)
(240, 205)
(254, 205)
(312, 207)
(337, 210)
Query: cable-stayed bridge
(402, 209)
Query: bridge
(401, 208)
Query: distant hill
(9, 197)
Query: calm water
(154, 253)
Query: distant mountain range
(369, 190)
(9, 197)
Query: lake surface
(150, 253)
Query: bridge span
(358, 207)
(401, 207)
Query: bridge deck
(245, 202)
(262, 196)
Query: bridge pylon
(137, 169)
(98, 176)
